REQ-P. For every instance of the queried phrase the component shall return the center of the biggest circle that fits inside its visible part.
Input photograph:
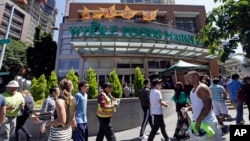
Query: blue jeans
(239, 112)
(81, 132)
(7, 128)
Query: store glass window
(65, 51)
(106, 63)
(137, 63)
(123, 63)
(153, 64)
(74, 64)
(138, 0)
(66, 41)
(187, 24)
(130, 1)
(64, 64)
(90, 63)
(66, 46)
(156, 1)
(164, 64)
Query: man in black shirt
(145, 104)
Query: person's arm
(159, 97)
(2, 110)
(61, 114)
(103, 103)
(205, 95)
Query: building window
(138, 0)
(74, 64)
(156, 1)
(164, 64)
(123, 63)
(187, 24)
(130, 1)
(64, 64)
(122, 1)
(153, 64)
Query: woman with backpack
(20, 121)
(181, 100)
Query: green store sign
(142, 32)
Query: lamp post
(6, 36)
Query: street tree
(15, 57)
(93, 89)
(138, 80)
(41, 57)
(117, 87)
(229, 21)
(71, 75)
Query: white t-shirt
(155, 96)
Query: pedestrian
(145, 105)
(105, 109)
(233, 88)
(126, 90)
(49, 106)
(80, 133)
(218, 100)
(156, 104)
(181, 100)
(2, 109)
(64, 114)
(28, 109)
(201, 106)
(14, 104)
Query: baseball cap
(156, 81)
(106, 84)
(13, 83)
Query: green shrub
(138, 81)
(52, 82)
(71, 75)
(91, 78)
(117, 87)
(39, 87)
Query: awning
(182, 65)
(175, 51)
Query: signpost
(5, 41)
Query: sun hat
(12, 83)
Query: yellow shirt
(13, 100)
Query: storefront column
(146, 75)
(81, 69)
(214, 68)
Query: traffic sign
(5, 41)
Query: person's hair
(123, 85)
(26, 92)
(178, 91)
(146, 81)
(52, 89)
(66, 86)
(81, 84)
(194, 73)
(216, 81)
(235, 76)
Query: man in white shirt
(156, 110)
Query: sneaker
(143, 137)
(158, 132)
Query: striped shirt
(49, 105)
(217, 92)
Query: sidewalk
(132, 134)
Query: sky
(209, 5)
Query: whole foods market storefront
(126, 45)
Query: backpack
(28, 107)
